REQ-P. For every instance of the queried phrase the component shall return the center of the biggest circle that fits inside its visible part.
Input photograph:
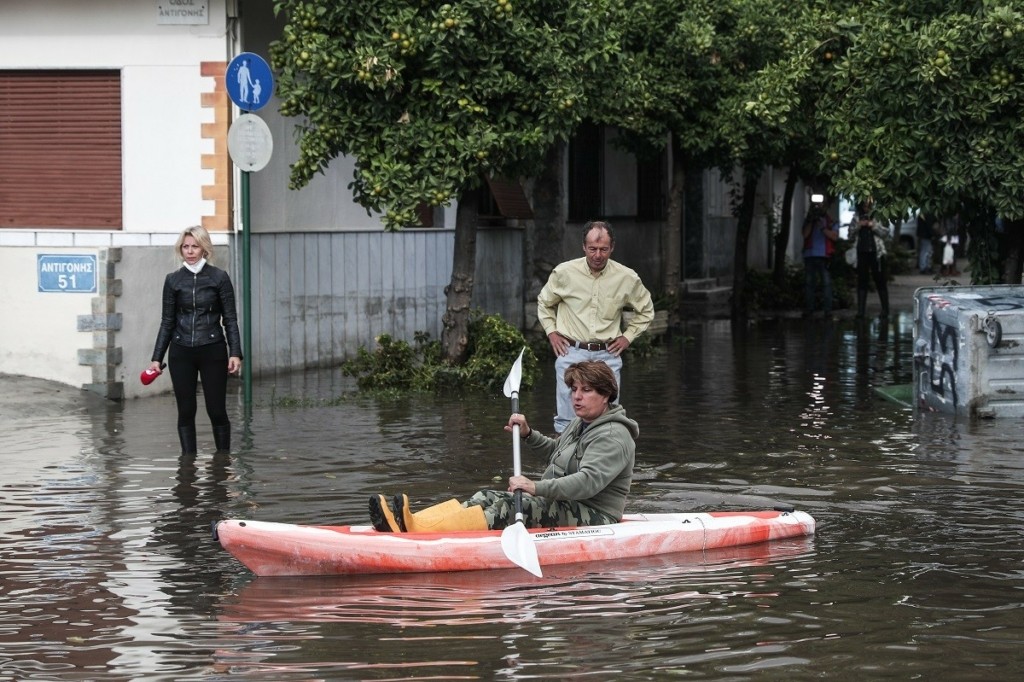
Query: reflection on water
(577, 611)
(109, 571)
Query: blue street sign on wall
(67, 273)
(249, 81)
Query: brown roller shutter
(60, 149)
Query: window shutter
(510, 198)
(60, 149)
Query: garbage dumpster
(968, 352)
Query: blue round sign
(249, 81)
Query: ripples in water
(108, 570)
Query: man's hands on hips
(560, 345)
(618, 346)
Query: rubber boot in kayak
(383, 517)
(446, 516)
(425, 520)
(187, 436)
(222, 438)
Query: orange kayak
(278, 549)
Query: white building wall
(162, 183)
(160, 90)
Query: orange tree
(785, 111)
(922, 109)
(698, 59)
(429, 99)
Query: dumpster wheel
(993, 331)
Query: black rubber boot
(383, 516)
(187, 436)
(862, 302)
(222, 438)
(883, 298)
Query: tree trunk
(744, 222)
(459, 292)
(1013, 265)
(671, 240)
(544, 250)
(786, 220)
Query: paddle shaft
(516, 541)
(517, 464)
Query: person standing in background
(819, 245)
(870, 259)
(580, 309)
(199, 328)
(925, 234)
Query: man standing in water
(580, 309)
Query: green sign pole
(247, 298)
(250, 85)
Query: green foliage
(429, 98)
(397, 366)
(926, 109)
(698, 59)
(917, 103)
(983, 248)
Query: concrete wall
(316, 299)
(100, 340)
(40, 337)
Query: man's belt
(588, 345)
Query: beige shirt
(586, 307)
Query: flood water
(108, 570)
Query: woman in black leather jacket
(198, 308)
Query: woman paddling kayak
(587, 480)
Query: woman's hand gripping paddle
(516, 541)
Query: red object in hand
(148, 376)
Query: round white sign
(250, 143)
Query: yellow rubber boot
(448, 516)
(424, 520)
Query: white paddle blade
(515, 375)
(517, 543)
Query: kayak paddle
(516, 541)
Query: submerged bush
(394, 365)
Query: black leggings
(187, 366)
(869, 264)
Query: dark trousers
(815, 271)
(187, 366)
(869, 264)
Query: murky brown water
(108, 571)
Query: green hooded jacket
(592, 464)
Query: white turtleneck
(194, 269)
